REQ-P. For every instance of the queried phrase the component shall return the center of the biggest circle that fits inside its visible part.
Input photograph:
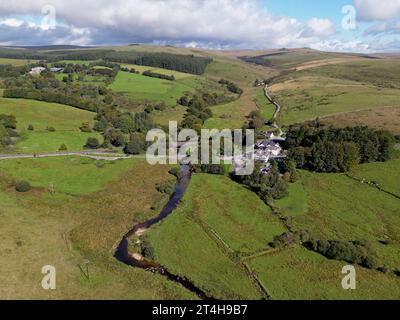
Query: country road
(93, 154)
(277, 110)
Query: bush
(31, 128)
(63, 147)
(51, 129)
(85, 127)
(175, 171)
(147, 249)
(92, 143)
(23, 186)
(136, 145)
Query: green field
(65, 119)
(178, 75)
(231, 213)
(298, 274)
(323, 96)
(16, 62)
(139, 87)
(337, 88)
(337, 207)
(386, 174)
(266, 108)
(84, 175)
(79, 225)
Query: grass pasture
(336, 207)
(386, 118)
(185, 244)
(84, 175)
(296, 274)
(178, 75)
(139, 87)
(16, 62)
(79, 230)
(311, 97)
(65, 119)
(386, 174)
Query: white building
(37, 70)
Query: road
(277, 110)
(93, 154)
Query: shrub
(23, 186)
(85, 127)
(147, 249)
(175, 171)
(136, 144)
(92, 143)
(63, 147)
(51, 129)
(31, 128)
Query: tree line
(330, 149)
(178, 62)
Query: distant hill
(47, 48)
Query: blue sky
(218, 24)
(308, 9)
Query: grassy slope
(319, 96)
(70, 230)
(235, 214)
(300, 274)
(337, 88)
(16, 62)
(385, 118)
(140, 87)
(336, 207)
(178, 75)
(233, 115)
(66, 120)
(387, 174)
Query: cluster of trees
(354, 252)
(208, 98)
(80, 96)
(9, 71)
(232, 87)
(198, 111)
(256, 121)
(101, 69)
(330, 149)
(123, 129)
(152, 74)
(131, 70)
(8, 126)
(268, 186)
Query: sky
(363, 26)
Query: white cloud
(11, 22)
(391, 27)
(218, 23)
(378, 9)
